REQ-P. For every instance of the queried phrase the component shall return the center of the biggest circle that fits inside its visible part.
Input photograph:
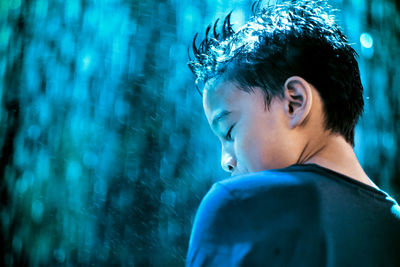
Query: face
(253, 137)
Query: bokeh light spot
(366, 40)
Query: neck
(336, 154)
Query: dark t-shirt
(302, 215)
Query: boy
(283, 94)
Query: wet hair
(296, 38)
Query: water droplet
(21, 185)
(17, 244)
(34, 132)
(15, 4)
(59, 255)
(366, 40)
(90, 159)
(37, 211)
(168, 197)
(86, 62)
(74, 171)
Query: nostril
(228, 163)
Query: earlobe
(298, 100)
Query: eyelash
(228, 135)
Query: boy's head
(287, 78)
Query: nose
(228, 162)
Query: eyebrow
(219, 117)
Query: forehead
(220, 94)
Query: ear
(297, 100)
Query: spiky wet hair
(282, 40)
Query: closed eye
(228, 136)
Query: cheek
(262, 149)
(252, 150)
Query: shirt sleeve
(277, 228)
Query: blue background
(105, 151)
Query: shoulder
(211, 210)
(277, 188)
(264, 180)
(269, 209)
(258, 197)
